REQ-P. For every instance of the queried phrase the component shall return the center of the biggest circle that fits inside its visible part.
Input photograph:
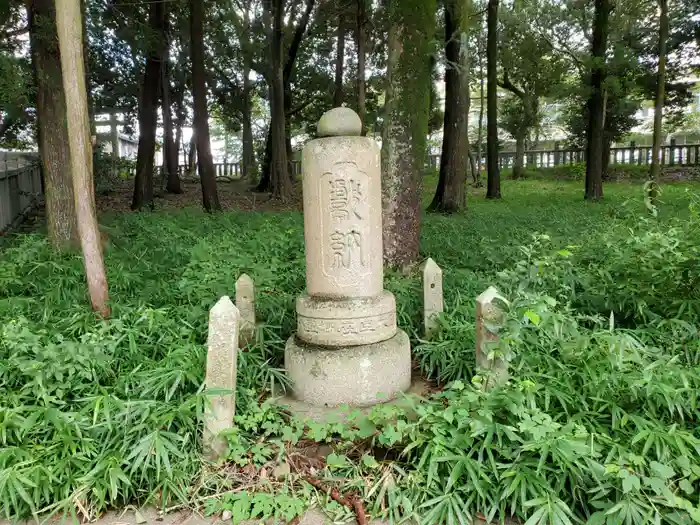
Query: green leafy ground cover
(599, 422)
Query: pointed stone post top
(430, 267)
(244, 284)
(339, 122)
(223, 309)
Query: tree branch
(507, 84)
(14, 32)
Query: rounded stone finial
(339, 122)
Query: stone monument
(347, 349)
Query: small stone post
(222, 358)
(433, 304)
(245, 302)
(347, 349)
(488, 312)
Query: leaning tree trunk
(148, 115)
(450, 195)
(361, 59)
(70, 38)
(280, 182)
(493, 185)
(404, 142)
(338, 95)
(170, 145)
(207, 174)
(659, 103)
(51, 125)
(596, 104)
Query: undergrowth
(599, 421)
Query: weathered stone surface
(346, 322)
(339, 122)
(488, 312)
(343, 217)
(433, 304)
(245, 302)
(222, 359)
(357, 375)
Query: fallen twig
(353, 503)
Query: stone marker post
(245, 302)
(347, 349)
(488, 312)
(433, 304)
(222, 359)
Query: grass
(96, 414)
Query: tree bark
(280, 182)
(493, 189)
(338, 95)
(148, 114)
(170, 150)
(70, 39)
(249, 168)
(480, 126)
(265, 184)
(51, 125)
(192, 154)
(361, 62)
(207, 174)
(407, 113)
(518, 165)
(596, 104)
(450, 195)
(655, 171)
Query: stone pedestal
(347, 349)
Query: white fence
(19, 190)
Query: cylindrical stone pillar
(342, 216)
(347, 348)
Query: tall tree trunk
(170, 146)
(249, 167)
(70, 39)
(404, 142)
(361, 59)
(338, 95)
(192, 154)
(51, 125)
(493, 189)
(518, 164)
(207, 174)
(265, 184)
(280, 182)
(480, 126)
(148, 114)
(596, 104)
(659, 103)
(450, 194)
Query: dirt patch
(233, 195)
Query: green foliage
(600, 414)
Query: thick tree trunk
(361, 62)
(70, 37)
(265, 184)
(493, 188)
(170, 148)
(338, 95)
(659, 103)
(51, 125)
(596, 104)
(280, 182)
(404, 142)
(450, 194)
(518, 164)
(207, 175)
(148, 114)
